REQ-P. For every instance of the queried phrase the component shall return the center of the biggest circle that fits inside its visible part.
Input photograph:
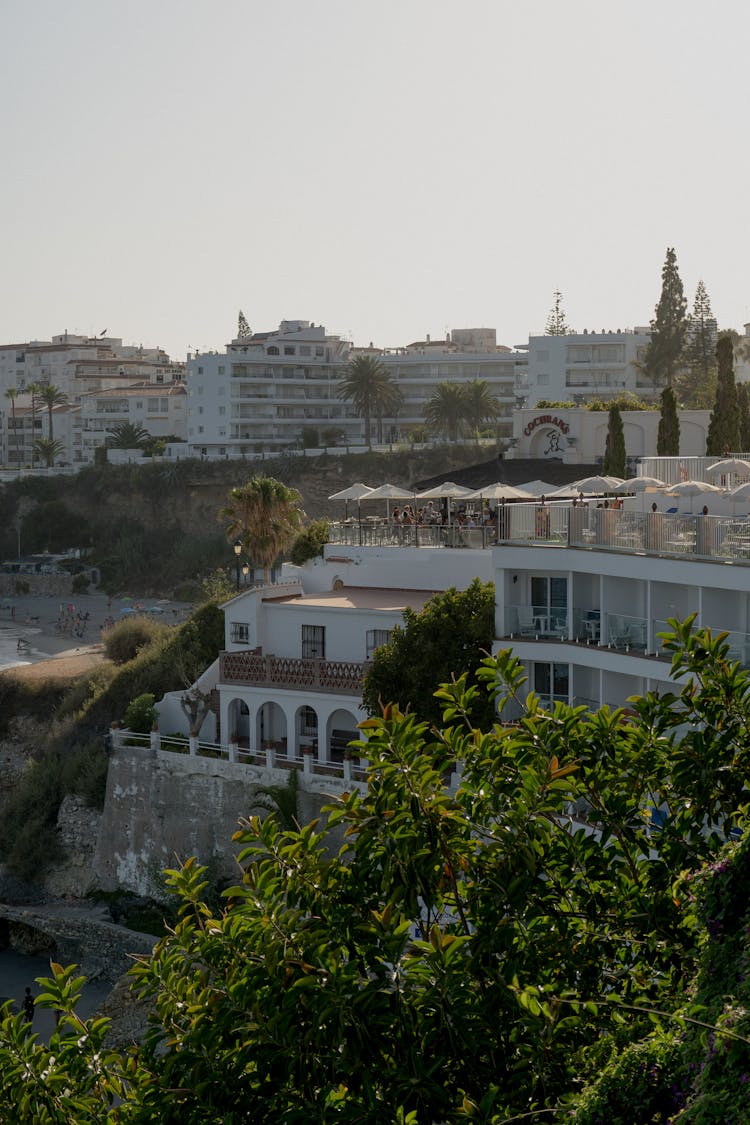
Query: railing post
(155, 740)
(193, 744)
(270, 754)
(347, 768)
(307, 761)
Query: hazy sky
(388, 169)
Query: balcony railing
(254, 669)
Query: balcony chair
(527, 623)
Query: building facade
(584, 365)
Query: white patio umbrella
(447, 491)
(353, 492)
(730, 467)
(741, 492)
(389, 492)
(535, 488)
(639, 484)
(692, 488)
(593, 485)
(499, 491)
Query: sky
(390, 170)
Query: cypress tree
(614, 449)
(668, 438)
(724, 427)
(669, 326)
(698, 379)
(743, 398)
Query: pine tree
(614, 450)
(697, 383)
(724, 427)
(243, 328)
(668, 438)
(557, 325)
(743, 399)
(668, 327)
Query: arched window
(272, 350)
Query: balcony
(253, 669)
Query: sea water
(18, 970)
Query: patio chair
(618, 634)
(527, 624)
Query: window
(200, 409)
(551, 683)
(139, 404)
(376, 638)
(304, 349)
(200, 370)
(221, 370)
(289, 349)
(272, 350)
(240, 633)
(222, 410)
(543, 380)
(313, 642)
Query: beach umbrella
(639, 484)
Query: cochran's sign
(546, 420)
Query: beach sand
(32, 644)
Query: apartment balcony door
(549, 598)
(551, 682)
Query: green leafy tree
(668, 436)
(557, 325)
(444, 410)
(449, 636)
(51, 396)
(11, 393)
(127, 435)
(696, 383)
(668, 328)
(371, 389)
(723, 429)
(480, 404)
(614, 450)
(49, 450)
(438, 952)
(309, 543)
(265, 516)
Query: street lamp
(237, 553)
(245, 572)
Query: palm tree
(49, 449)
(11, 394)
(264, 516)
(34, 390)
(371, 390)
(444, 410)
(127, 435)
(51, 396)
(480, 404)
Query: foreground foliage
(466, 953)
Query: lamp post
(237, 552)
(245, 572)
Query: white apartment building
(161, 410)
(77, 366)
(586, 365)
(277, 390)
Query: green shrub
(80, 584)
(84, 772)
(310, 542)
(140, 714)
(127, 637)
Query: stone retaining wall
(71, 934)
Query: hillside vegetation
(151, 527)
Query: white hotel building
(582, 596)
